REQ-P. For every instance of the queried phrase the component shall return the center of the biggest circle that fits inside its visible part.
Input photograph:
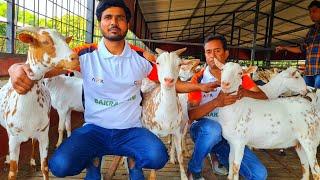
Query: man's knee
(259, 172)
(156, 158)
(212, 130)
(60, 166)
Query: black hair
(105, 4)
(314, 4)
(216, 37)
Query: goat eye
(45, 42)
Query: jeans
(207, 137)
(86, 143)
(313, 81)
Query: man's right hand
(225, 99)
(19, 78)
(207, 87)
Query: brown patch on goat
(45, 169)
(303, 169)
(15, 107)
(18, 130)
(235, 168)
(316, 176)
(38, 53)
(45, 127)
(6, 114)
(298, 146)
(150, 107)
(10, 125)
(13, 170)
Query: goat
(286, 122)
(27, 116)
(65, 102)
(186, 71)
(265, 75)
(161, 108)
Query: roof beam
(158, 12)
(191, 17)
(237, 10)
(279, 9)
(284, 33)
(159, 32)
(193, 13)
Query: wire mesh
(66, 16)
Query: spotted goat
(268, 124)
(162, 111)
(27, 116)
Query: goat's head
(231, 75)
(47, 50)
(293, 81)
(168, 66)
(186, 71)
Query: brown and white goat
(27, 116)
(162, 111)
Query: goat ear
(180, 51)
(68, 39)
(150, 57)
(290, 72)
(218, 63)
(250, 69)
(195, 62)
(28, 38)
(186, 62)
(159, 51)
(293, 74)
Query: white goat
(27, 116)
(186, 71)
(268, 124)
(288, 80)
(65, 102)
(265, 75)
(161, 108)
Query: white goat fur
(27, 116)
(161, 108)
(269, 124)
(65, 102)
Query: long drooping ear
(28, 36)
(180, 51)
(250, 69)
(68, 39)
(218, 63)
(159, 51)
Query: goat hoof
(173, 161)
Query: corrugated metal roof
(180, 20)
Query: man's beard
(118, 37)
